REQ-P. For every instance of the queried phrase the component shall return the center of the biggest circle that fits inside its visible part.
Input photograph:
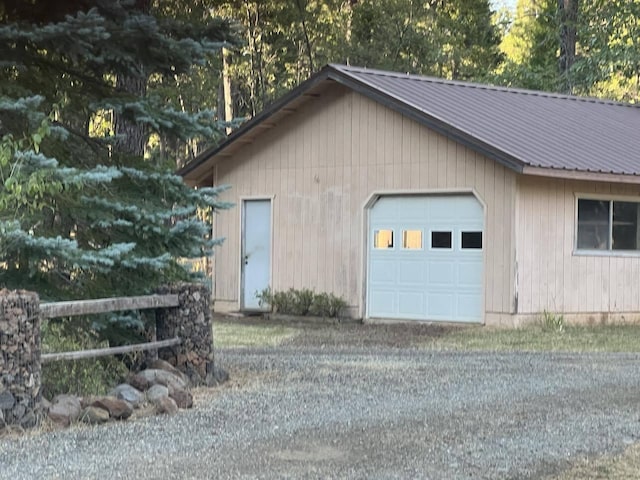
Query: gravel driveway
(374, 412)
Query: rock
(157, 392)
(220, 375)
(126, 392)
(18, 412)
(2, 424)
(182, 398)
(166, 405)
(65, 409)
(159, 364)
(94, 415)
(139, 382)
(161, 377)
(88, 400)
(7, 400)
(45, 404)
(29, 420)
(118, 409)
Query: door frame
(364, 232)
(243, 199)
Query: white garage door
(425, 258)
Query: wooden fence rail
(103, 352)
(105, 305)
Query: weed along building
(423, 199)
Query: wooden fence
(105, 305)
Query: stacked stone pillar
(191, 321)
(20, 368)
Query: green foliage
(302, 302)
(82, 213)
(79, 377)
(609, 63)
(607, 49)
(328, 305)
(286, 42)
(531, 47)
(552, 322)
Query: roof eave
(581, 175)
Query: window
(471, 240)
(412, 239)
(383, 239)
(608, 225)
(441, 240)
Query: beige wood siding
(322, 164)
(550, 275)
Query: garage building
(417, 198)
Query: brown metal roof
(518, 128)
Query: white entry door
(256, 251)
(426, 258)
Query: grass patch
(532, 338)
(619, 467)
(612, 338)
(237, 334)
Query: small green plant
(552, 322)
(328, 305)
(265, 298)
(302, 302)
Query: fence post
(191, 321)
(20, 369)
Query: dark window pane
(472, 240)
(593, 224)
(440, 239)
(625, 226)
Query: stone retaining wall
(20, 369)
(20, 352)
(191, 321)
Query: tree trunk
(307, 41)
(568, 15)
(226, 87)
(133, 135)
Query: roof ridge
(479, 86)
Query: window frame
(610, 251)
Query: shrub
(302, 302)
(79, 377)
(328, 305)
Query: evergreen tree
(608, 64)
(82, 213)
(531, 47)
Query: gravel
(374, 412)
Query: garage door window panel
(383, 239)
(471, 240)
(441, 240)
(412, 239)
